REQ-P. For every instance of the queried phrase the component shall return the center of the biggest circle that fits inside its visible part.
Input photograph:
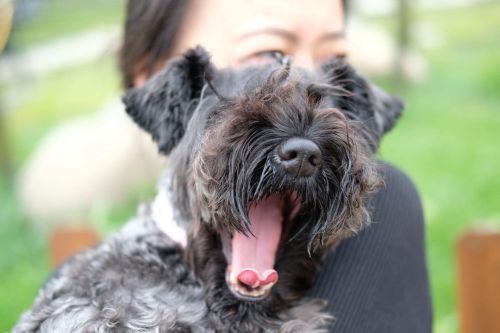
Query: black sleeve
(377, 281)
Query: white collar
(163, 215)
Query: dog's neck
(164, 215)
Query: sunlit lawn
(448, 142)
(23, 259)
(58, 18)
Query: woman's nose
(303, 59)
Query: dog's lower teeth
(248, 292)
(254, 293)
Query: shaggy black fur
(222, 129)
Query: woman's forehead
(243, 15)
(314, 16)
(220, 24)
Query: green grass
(447, 142)
(52, 99)
(23, 263)
(57, 18)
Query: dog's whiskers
(264, 174)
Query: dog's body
(138, 281)
(271, 168)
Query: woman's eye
(274, 54)
(263, 57)
(269, 55)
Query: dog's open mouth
(251, 259)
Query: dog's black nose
(300, 157)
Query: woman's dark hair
(149, 34)
(150, 30)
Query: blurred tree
(6, 13)
(403, 39)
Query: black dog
(270, 167)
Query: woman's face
(239, 32)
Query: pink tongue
(253, 257)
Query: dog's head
(272, 162)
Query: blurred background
(442, 56)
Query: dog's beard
(268, 209)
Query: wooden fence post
(478, 255)
(64, 242)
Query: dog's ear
(362, 100)
(164, 105)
